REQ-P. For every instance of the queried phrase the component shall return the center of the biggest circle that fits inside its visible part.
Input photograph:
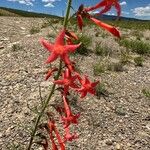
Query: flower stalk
(53, 87)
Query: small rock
(45, 84)
(22, 28)
(5, 39)
(1, 47)
(117, 147)
(120, 111)
(148, 126)
(109, 142)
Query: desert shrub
(137, 46)
(98, 69)
(125, 57)
(16, 47)
(34, 30)
(146, 92)
(101, 90)
(138, 61)
(100, 50)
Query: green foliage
(85, 43)
(136, 25)
(98, 69)
(125, 57)
(101, 90)
(34, 30)
(137, 46)
(146, 92)
(139, 61)
(16, 47)
(101, 51)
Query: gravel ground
(120, 121)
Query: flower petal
(101, 4)
(107, 27)
(60, 38)
(106, 9)
(118, 8)
(72, 48)
(66, 59)
(80, 21)
(46, 44)
(51, 58)
(94, 84)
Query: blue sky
(130, 8)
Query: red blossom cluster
(70, 78)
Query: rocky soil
(120, 121)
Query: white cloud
(110, 14)
(125, 13)
(26, 2)
(142, 11)
(123, 3)
(49, 3)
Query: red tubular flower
(59, 49)
(86, 86)
(69, 118)
(107, 27)
(68, 81)
(50, 72)
(52, 127)
(82, 12)
(107, 4)
(68, 136)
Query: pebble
(109, 142)
(148, 126)
(117, 147)
(1, 47)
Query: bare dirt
(120, 121)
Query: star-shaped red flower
(86, 86)
(68, 81)
(59, 49)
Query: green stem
(67, 13)
(53, 87)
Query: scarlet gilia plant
(67, 79)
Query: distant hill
(21, 13)
(111, 17)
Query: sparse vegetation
(129, 24)
(101, 90)
(100, 50)
(139, 61)
(16, 47)
(98, 69)
(146, 92)
(34, 30)
(125, 57)
(137, 46)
